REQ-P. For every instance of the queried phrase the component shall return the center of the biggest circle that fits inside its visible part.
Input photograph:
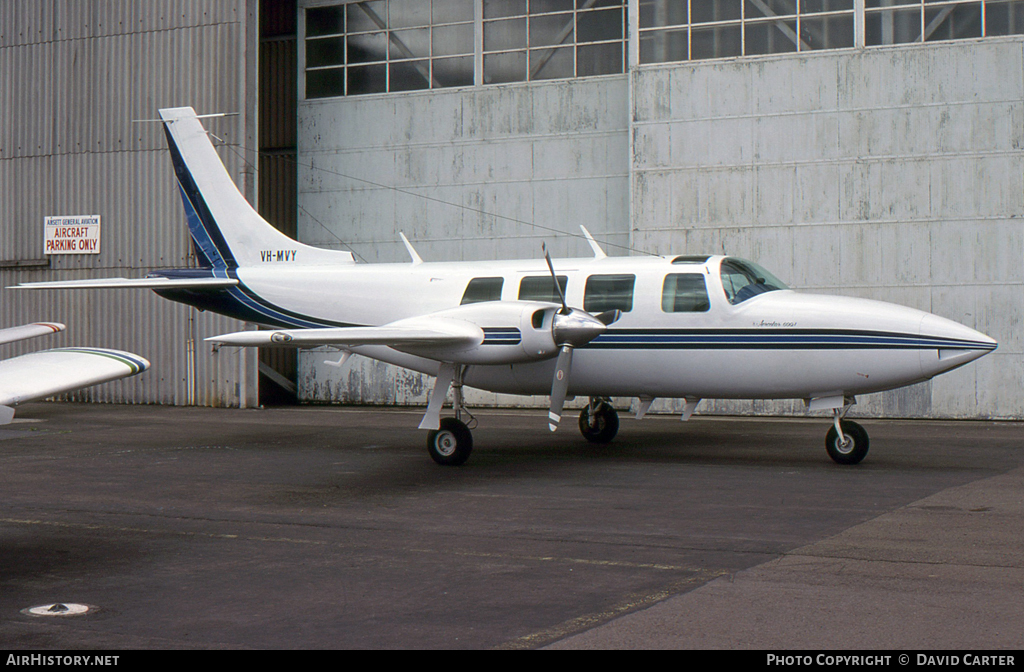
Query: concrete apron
(944, 572)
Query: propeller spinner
(570, 328)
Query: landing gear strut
(846, 442)
(599, 423)
(451, 443)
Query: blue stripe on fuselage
(755, 339)
(239, 302)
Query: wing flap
(12, 334)
(43, 374)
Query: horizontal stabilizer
(43, 374)
(132, 283)
(12, 334)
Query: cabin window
(483, 289)
(608, 292)
(685, 293)
(541, 288)
(744, 279)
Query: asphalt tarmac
(315, 527)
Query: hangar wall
(75, 77)
(488, 173)
(467, 174)
(892, 172)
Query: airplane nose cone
(955, 344)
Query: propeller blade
(554, 278)
(570, 327)
(559, 386)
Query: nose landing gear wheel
(451, 444)
(604, 425)
(853, 450)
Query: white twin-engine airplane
(38, 375)
(688, 327)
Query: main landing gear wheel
(603, 427)
(854, 449)
(451, 444)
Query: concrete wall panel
(888, 173)
(896, 171)
(453, 169)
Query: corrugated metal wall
(277, 175)
(75, 75)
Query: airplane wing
(43, 374)
(132, 283)
(12, 334)
(432, 333)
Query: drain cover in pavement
(59, 609)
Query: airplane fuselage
(779, 344)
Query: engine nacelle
(511, 332)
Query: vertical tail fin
(226, 231)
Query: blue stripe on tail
(210, 247)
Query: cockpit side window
(541, 288)
(744, 279)
(685, 293)
(608, 292)
(483, 289)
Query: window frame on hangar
(392, 46)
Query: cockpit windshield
(744, 279)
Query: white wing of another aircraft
(12, 334)
(43, 374)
